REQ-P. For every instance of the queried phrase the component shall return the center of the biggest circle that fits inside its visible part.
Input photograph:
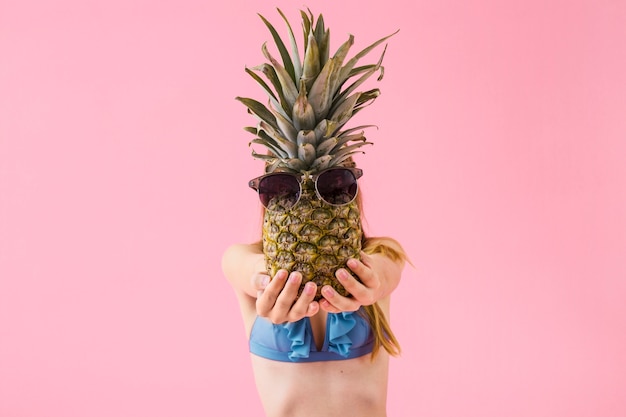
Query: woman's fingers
(280, 302)
(334, 302)
(366, 274)
(267, 297)
(355, 288)
(259, 281)
(363, 291)
(367, 291)
(289, 293)
(304, 305)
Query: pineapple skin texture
(314, 238)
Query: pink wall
(499, 163)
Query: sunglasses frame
(301, 177)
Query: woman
(314, 351)
(328, 386)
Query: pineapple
(302, 130)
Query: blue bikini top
(348, 335)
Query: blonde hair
(391, 248)
(383, 335)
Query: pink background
(499, 163)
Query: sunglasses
(335, 186)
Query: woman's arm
(244, 267)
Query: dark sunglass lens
(337, 186)
(279, 191)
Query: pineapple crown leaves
(310, 99)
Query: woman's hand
(379, 276)
(278, 300)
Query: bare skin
(338, 388)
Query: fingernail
(294, 277)
(352, 263)
(329, 292)
(266, 280)
(342, 275)
(309, 288)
